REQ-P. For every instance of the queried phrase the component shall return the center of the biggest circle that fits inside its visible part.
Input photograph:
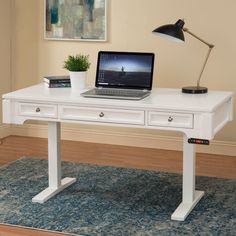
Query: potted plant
(77, 66)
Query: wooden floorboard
(6, 230)
(14, 147)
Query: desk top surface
(160, 98)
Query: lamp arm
(207, 56)
(203, 67)
(197, 37)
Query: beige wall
(129, 28)
(5, 48)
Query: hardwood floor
(14, 147)
(19, 231)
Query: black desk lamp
(175, 32)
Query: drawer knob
(37, 109)
(101, 114)
(170, 119)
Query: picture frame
(80, 20)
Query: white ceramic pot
(78, 79)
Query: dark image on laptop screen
(125, 70)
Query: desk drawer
(118, 116)
(177, 120)
(37, 110)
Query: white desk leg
(54, 165)
(190, 197)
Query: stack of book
(60, 81)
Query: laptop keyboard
(120, 92)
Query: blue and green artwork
(75, 19)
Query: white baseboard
(5, 130)
(94, 135)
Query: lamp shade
(172, 31)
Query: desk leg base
(50, 192)
(185, 208)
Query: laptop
(123, 75)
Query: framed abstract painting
(83, 20)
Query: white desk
(196, 116)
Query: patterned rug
(113, 201)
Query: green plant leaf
(78, 62)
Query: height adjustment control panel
(198, 141)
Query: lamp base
(194, 90)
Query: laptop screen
(132, 70)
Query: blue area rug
(113, 201)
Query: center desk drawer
(119, 116)
(166, 119)
(37, 110)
